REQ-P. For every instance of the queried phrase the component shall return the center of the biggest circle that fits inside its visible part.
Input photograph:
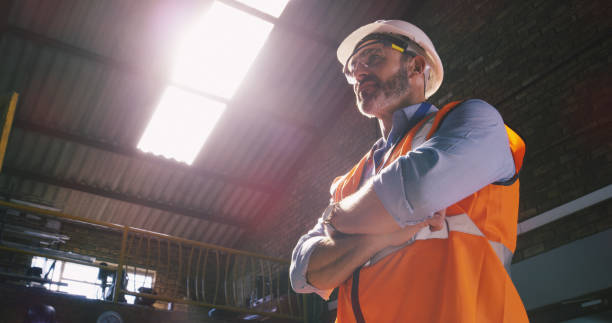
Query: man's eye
(374, 59)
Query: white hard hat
(399, 27)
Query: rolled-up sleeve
(469, 151)
(300, 258)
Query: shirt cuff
(389, 187)
(299, 265)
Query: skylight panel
(272, 7)
(215, 57)
(212, 60)
(180, 125)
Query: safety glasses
(371, 57)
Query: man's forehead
(369, 42)
(368, 47)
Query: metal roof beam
(251, 11)
(89, 55)
(284, 24)
(198, 214)
(142, 156)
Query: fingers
(437, 221)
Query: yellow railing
(191, 272)
(8, 104)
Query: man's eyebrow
(368, 51)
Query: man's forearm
(334, 260)
(364, 213)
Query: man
(383, 240)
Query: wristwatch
(328, 215)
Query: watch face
(109, 317)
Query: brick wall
(544, 64)
(579, 225)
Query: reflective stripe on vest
(463, 223)
(421, 135)
(458, 223)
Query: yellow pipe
(204, 270)
(154, 234)
(180, 264)
(218, 271)
(7, 125)
(197, 283)
(187, 281)
(225, 277)
(119, 278)
(212, 246)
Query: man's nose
(361, 71)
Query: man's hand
(402, 236)
(437, 221)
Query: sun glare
(180, 125)
(216, 55)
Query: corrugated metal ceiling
(90, 73)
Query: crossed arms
(368, 228)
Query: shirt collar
(402, 121)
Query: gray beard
(394, 87)
(397, 84)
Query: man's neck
(386, 123)
(385, 126)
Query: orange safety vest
(456, 279)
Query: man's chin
(366, 108)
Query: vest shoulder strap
(346, 184)
(440, 116)
(422, 131)
(517, 146)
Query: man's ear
(418, 64)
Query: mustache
(369, 78)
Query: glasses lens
(350, 78)
(349, 71)
(369, 57)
